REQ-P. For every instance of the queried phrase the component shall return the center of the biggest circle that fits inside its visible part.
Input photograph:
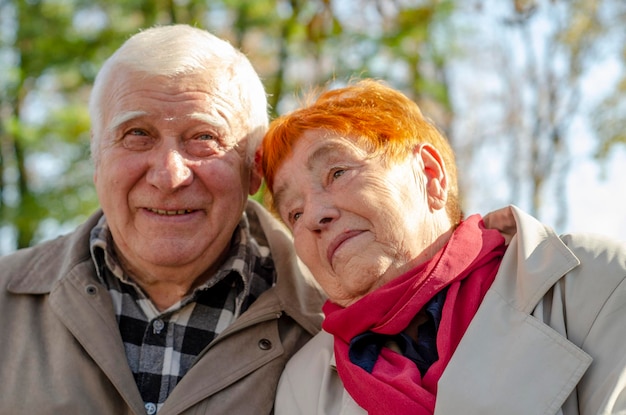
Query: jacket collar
(71, 288)
(64, 269)
(37, 276)
(297, 292)
(538, 257)
(509, 358)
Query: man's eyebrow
(218, 122)
(124, 117)
(120, 119)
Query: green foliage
(51, 51)
(44, 161)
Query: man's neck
(165, 294)
(167, 286)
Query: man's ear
(436, 176)
(256, 172)
(95, 158)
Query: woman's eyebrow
(279, 196)
(322, 154)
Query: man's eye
(137, 140)
(296, 216)
(137, 131)
(206, 137)
(203, 145)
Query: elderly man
(181, 295)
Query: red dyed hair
(377, 117)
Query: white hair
(179, 50)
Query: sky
(598, 199)
(595, 190)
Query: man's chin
(165, 252)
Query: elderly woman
(428, 311)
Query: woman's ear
(436, 176)
(256, 173)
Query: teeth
(171, 212)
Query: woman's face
(357, 222)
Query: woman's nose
(169, 171)
(320, 214)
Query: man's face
(171, 175)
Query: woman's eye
(296, 216)
(338, 173)
(291, 218)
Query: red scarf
(467, 265)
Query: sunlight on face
(170, 176)
(357, 223)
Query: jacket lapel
(510, 360)
(237, 352)
(82, 304)
(245, 351)
(83, 307)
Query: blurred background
(532, 94)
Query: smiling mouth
(338, 241)
(170, 212)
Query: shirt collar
(244, 255)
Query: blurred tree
(53, 50)
(609, 118)
(48, 56)
(534, 60)
(511, 94)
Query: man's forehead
(192, 88)
(213, 119)
(191, 97)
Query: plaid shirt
(161, 346)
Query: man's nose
(170, 170)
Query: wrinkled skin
(167, 174)
(358, 222)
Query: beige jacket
(549, 338)
(62, 353)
